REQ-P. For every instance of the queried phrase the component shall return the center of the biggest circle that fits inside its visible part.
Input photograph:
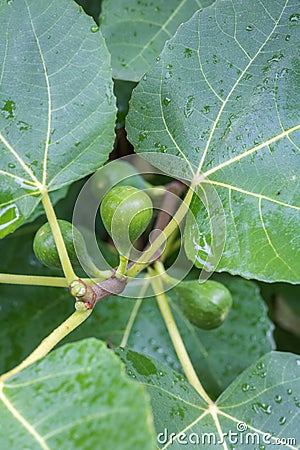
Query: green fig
(126, 213)
(206, 305)
(45, 250)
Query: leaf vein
(250, 427)
(269, 239)
(184, 430)
(249, 152)
(231, 92)
(20, 160)
(159, 388)
(19, 417)
(48, 95)
(84, 419)
(252, 194)
(162, 28)
(169, 133)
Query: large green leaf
(136, 31)
(224, 98)
(76, 397)
(260, 409)
(57, 108)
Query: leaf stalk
(175, 336)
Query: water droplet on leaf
(9, 109)
(131, 374)
(8, 215)
(294, 17)
(189, 106)
(282, 420)
(260, 365)
(283, 72)
(259, 408)
(143, 135)
(276, 58)
(188, 52)
(23, 126)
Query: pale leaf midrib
(252, 150)
(20, 160)
(202, 161)
(16, 177)
(250, 193)
(48, 96)
(169, 132)
(18, 416)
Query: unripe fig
(45, 250)
(206, 305)
(126, 213)
(116, 173)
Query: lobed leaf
(221, 107)
(57, 108)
